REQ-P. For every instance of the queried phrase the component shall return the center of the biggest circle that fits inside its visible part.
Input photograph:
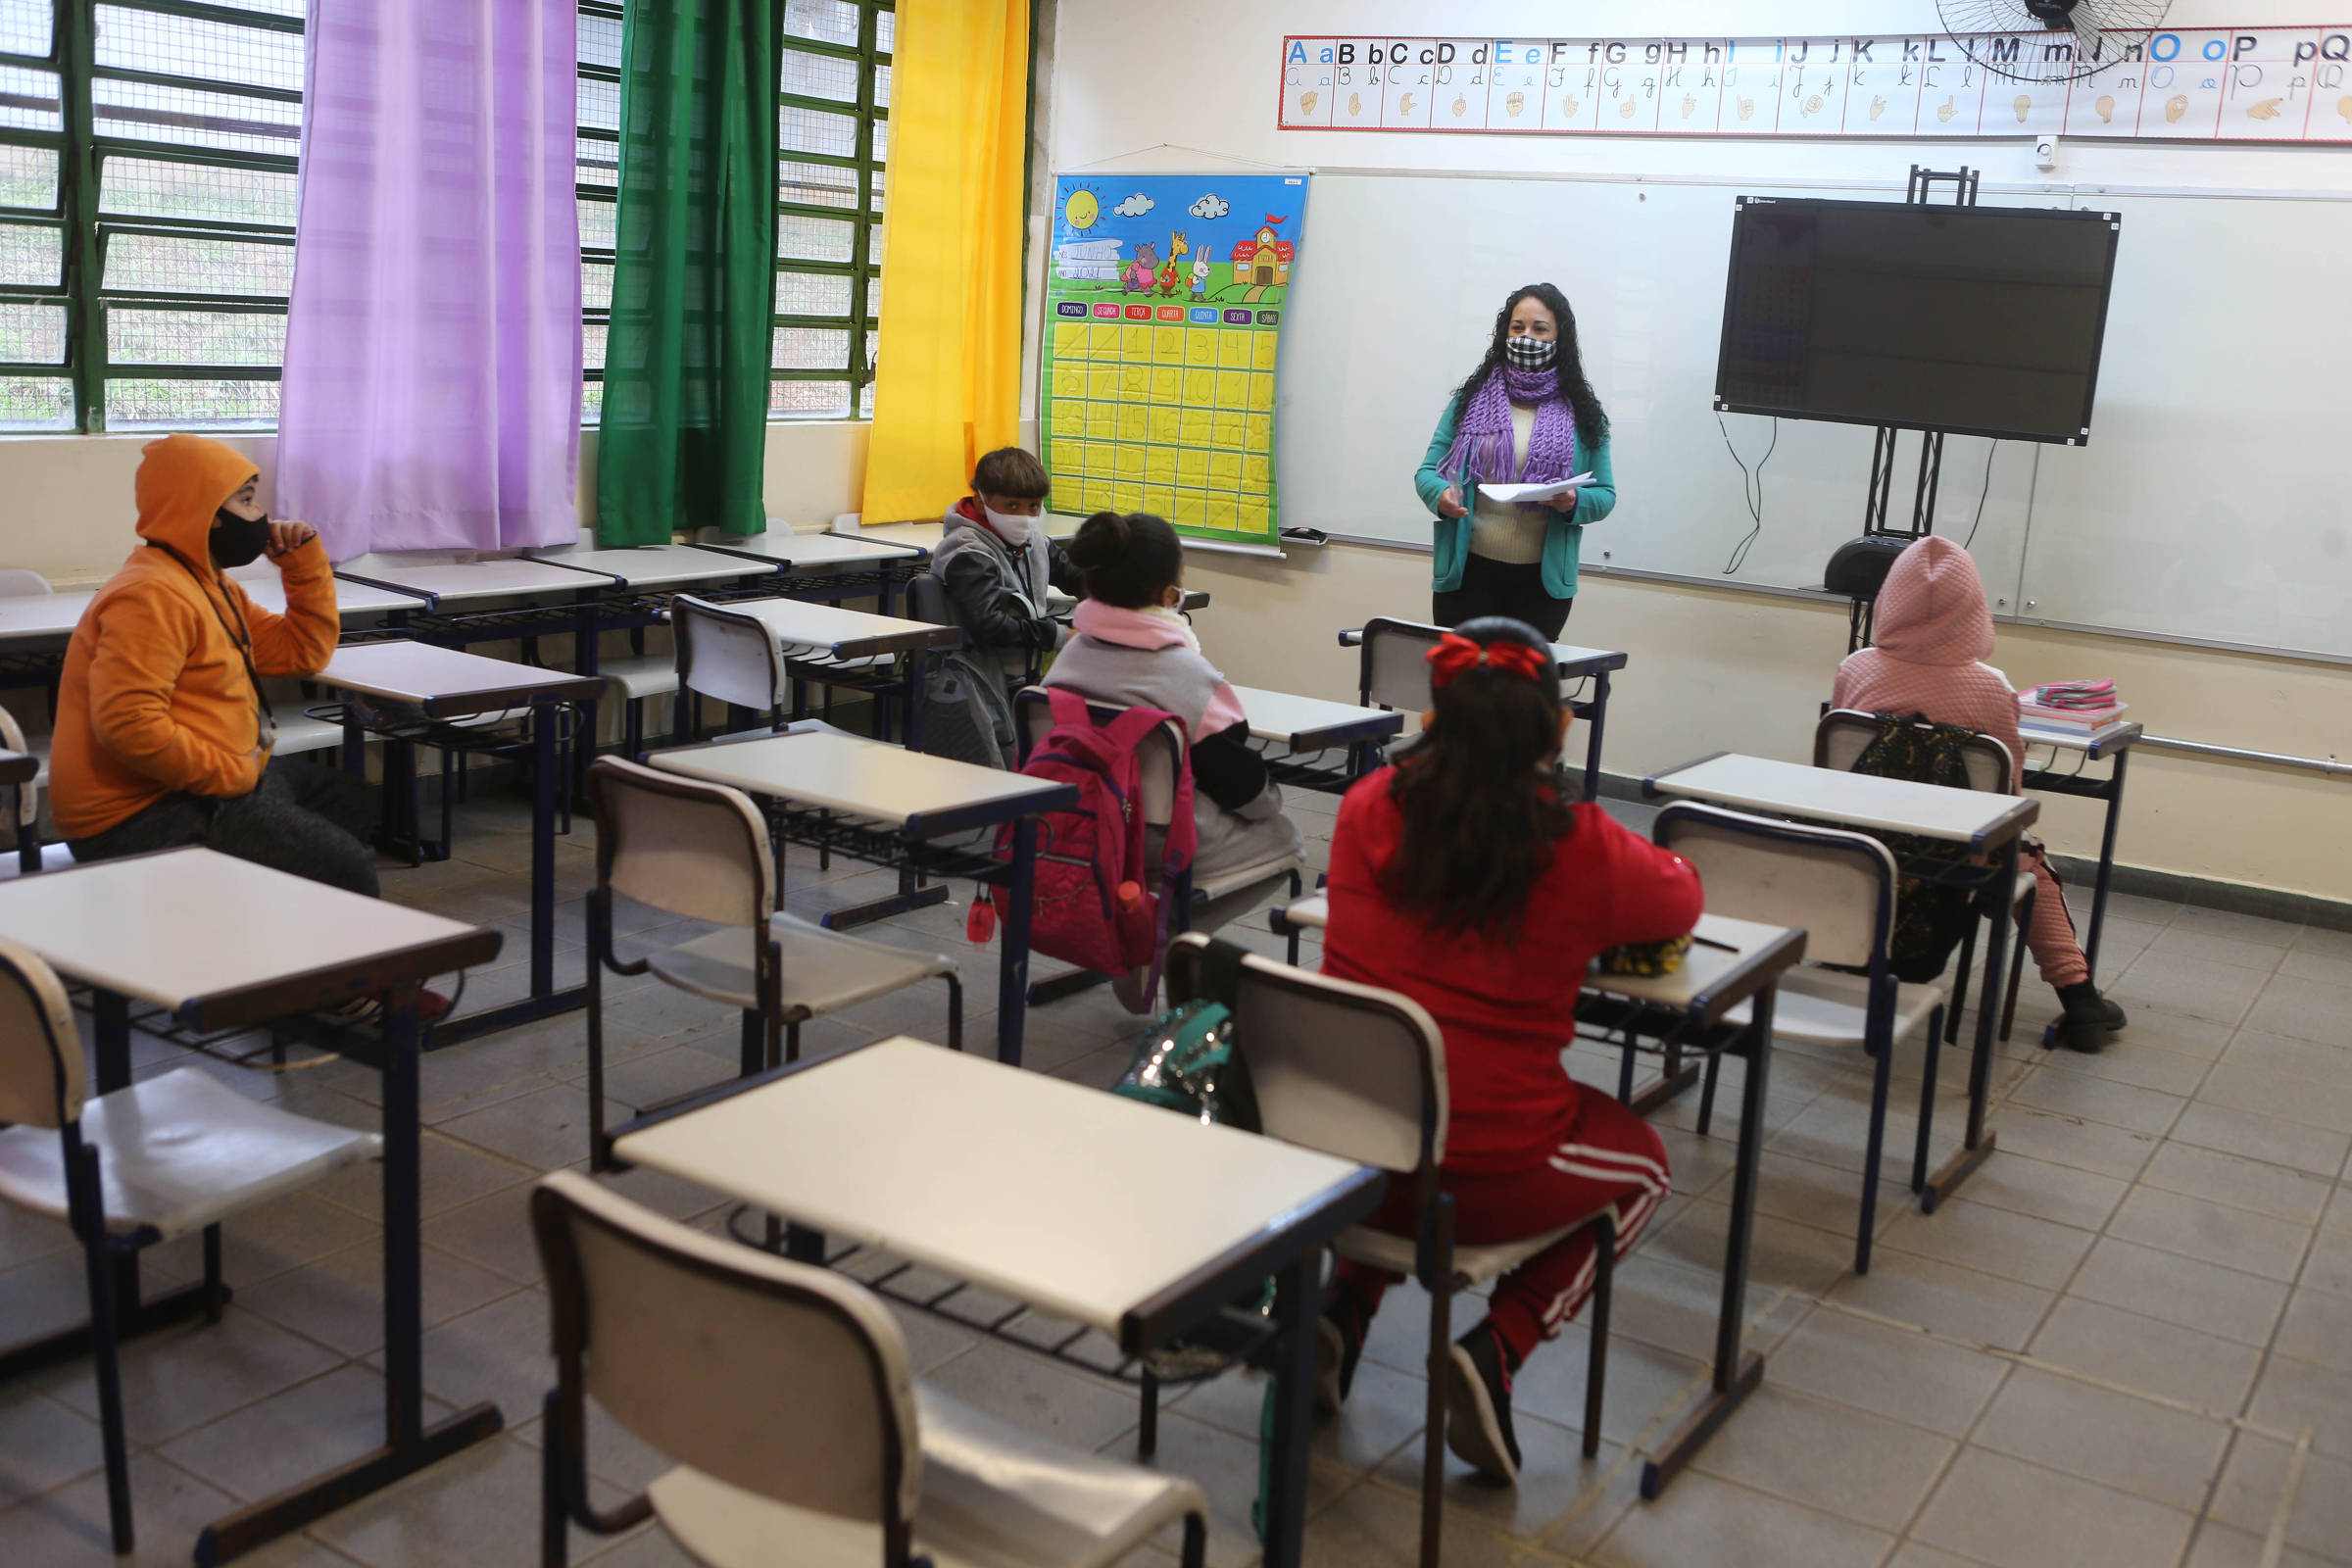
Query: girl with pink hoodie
(1134, 648)
(1932, 634)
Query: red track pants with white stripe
(1610, 1157)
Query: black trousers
(1499, 588)
(303, 818)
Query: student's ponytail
(1477, 791)
(1130, 562)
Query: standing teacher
(1526, 416)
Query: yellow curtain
(948, 382)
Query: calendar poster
(1164, 300)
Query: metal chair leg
(1968, 961)
(2017, 960)
(955, 1011)
(1195, 1540)
(1927, 1100)
(1597, 1363)
(1433, 1431)
(1147, 1434)
(1706, 1092)
(216, 1290)
(105, 1340)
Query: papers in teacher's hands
(1526, 494)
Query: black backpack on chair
(1929, 917)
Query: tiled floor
(2128, 1342)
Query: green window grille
(146, 211)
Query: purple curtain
(432, 378)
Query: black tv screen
(1979, 320)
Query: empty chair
(147, 1163)
(784, 1394)
(1203, 898)
(702, 852)
(1839, 887)
(635, 681)
(1359, 1073)
(725, 653)
(1839, 742)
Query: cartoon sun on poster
(1166, 294)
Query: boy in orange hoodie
(1931, 635)
(163, 732)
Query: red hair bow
(1455, 654)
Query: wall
(1716, 668)
(66, 509)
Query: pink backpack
(1093, 907)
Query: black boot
(2089, 1017)
(1478, 1404)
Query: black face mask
(238, 541)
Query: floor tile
(2062, 1194)
(2196, 1227)
(1829, 1457)
(2289, 1097)
(2198, 987)
(2009, 1515)
(1226, 1468)
(2112, 1151)
(2140, 1063)
(290, 1436)
(492, 1232)
(2328, 965)
(2251, 1135)
(2308, 1010)
(2134, 1445)
(1781, 1253)
(180, 1378)
(2178, 942)
(2180, 1290)
(1383, 1415)
(2318, 1513)
(1039, 1394)
(2330, 1266)
(2293, 1394)
(43, 1444)
(2099, 1100)
(1958, 1303)
(1645, 1389)
(68, 1528)
(1554, 1477)
(1889, 1371)
(499, 1352)
(1702, 1519)
(2218, 1545)
(1993, 1241)
(339, 1300)
(1372, 1526)
(2147, 1354)
(2245, 1184)
(2328, 1062)
(477, 1509)
(2254, 928)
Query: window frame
(89, 231)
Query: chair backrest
(41, 1082)
(1347, 1069)
(1159, 758)
(783, 1379)
(17, 583)
(1394, 664)
(1838, 885)
(699, 851)
(1845, 733)
(726, 654)
(927, 599)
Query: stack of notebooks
(2084, 705)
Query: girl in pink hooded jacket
(1933, 632)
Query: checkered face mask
(1531, 353)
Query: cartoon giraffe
(1169, 272)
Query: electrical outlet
(2045, 153)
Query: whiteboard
(2212, 502)
(2215, 500)
(1401, 302)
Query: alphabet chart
(1164, 301)
(2247, 84)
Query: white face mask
(1012, 528)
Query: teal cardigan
(1562, 538)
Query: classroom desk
(471, 582)
(34, 629)
(827, 566)
(448, 684)
(1574, 665)
(1989, 826)
(2114, 741)
(149, 928)
(1300, 726)
(1098, 1209)
(266, 588)
(826, 644)
(1694, 1006)
(657, 565)
(892, 808)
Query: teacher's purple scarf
(1482, 434)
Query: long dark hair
(1591, 423)
(1482, 812)
(1129, 560)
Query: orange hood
(1932, 608)
(182, 482)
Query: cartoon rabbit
(1169, 274)
(1200, 277)
(1141, 272)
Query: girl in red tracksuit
(1463, 878)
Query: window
(146, 211)
(833, 136)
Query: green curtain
(684, 426)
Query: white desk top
(1851, 800)
(185, 925)
(1574, 661)
(653, 565)
(2104, 741)
(867, 779)
(447, 683)
(460, 581)
(266, 588)
(812, 549)
(33, 617)
(800, 626)
(1310, 724)
(1073, 1199)
(1709, 976)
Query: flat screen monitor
(1978, 320)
